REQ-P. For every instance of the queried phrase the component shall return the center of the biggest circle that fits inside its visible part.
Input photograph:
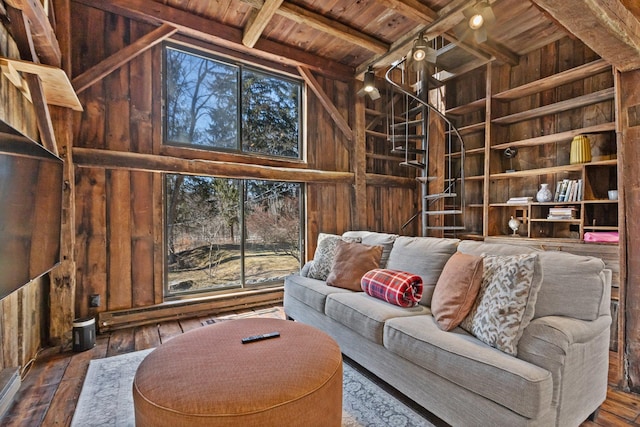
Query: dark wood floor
(52, 385)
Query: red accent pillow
(393, 286)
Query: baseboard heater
(9, 386)
(181, 309)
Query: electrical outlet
(94, 300)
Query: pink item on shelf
(602, 237)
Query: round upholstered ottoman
(208, 377)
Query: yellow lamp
(580, 150)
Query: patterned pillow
(393, 286)
(506, 301)
(325, 254)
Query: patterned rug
(106, 398)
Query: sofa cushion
(393, 286)
(325, 254)
(462, 359)
(506, 301)
(456, 290)
(572, 285)
(365, 314)
(352, 261)
(312, 292)
(375, 239)
(424, 256)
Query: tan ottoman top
(208, 371)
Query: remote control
(260, 337)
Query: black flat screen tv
(30, 209)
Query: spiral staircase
(430, 142)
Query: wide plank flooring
(52, 385)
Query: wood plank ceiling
(361, 33)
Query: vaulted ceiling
(345, 37)
(361, 33)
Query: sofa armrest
(555, 334)
(568, 348)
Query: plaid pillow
(393, 286)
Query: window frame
(240, 66)
(168, 295)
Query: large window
(227, 234)
(219, 105)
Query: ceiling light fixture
(422, 51)
(369, 80)
(476, 21)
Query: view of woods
(227, 233)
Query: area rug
(106, 398)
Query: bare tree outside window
(225, 233)
(214, 244)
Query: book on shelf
(569, 190)
(520, 200)
(563, 212)
(560, 217)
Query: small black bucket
(84, 333)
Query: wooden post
(359, 166)
(63, 278)
(629, 222)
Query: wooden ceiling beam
(607, 27)
(44, 38)
(326, 102)
(218, 34)
(124, 55)
(411, 9)
(440, 23)
(329, 26)
(20, 23)
(258, 21)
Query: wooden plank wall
(629, 174)
(22, 313)
(119, 249)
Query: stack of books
(565, 212)
(569, 190)
(520, 200)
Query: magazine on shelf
(520, 200)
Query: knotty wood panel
(629, 174)
(22, 313)
(119, 212)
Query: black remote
(261, 337)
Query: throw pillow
(375, 238)
(456, 290)
(351, 262)
(506, 301)
(393, 286)
(325, 254)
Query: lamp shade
(580, 150)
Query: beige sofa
(559, 376)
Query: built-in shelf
(555, 80)
(467, 108)
(469, 152)
(557, 137)
(469, 129)
(381, 135)
(535, 172)
(558, 107)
